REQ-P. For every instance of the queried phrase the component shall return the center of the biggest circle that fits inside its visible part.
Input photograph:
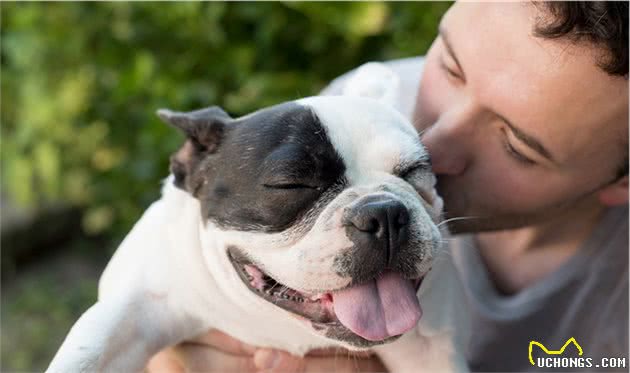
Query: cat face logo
(553, 352)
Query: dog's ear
(204, 130)
(203, 127)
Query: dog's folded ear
(204, 130)
(203, 127)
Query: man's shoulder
(409, 72)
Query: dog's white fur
(171, 279)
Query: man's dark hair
(603, 24)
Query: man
(524, 110)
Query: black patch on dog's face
(267, 172)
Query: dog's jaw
(315, 309)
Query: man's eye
(450, 72)
(516, 155)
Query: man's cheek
(515, 193)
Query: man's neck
(518, 258)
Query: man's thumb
(272, 361)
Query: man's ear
(204, 130)
(616, 193)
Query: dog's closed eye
(418, 174)
(422, 165)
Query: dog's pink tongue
(380, 308)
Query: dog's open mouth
(328, 312)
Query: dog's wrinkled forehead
(371, 137)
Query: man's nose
(449, 141)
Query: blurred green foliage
(81, 83)
(40, 305)
(37, 317)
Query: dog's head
(324, 206)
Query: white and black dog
(304, 225)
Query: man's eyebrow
(529, 140)
(449, 48)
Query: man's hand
(218, 352)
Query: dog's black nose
(383, 219)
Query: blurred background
(82, 151)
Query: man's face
(519, 128)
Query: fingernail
(266, 359)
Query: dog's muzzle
(379, 223)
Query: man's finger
(196, 357)
(271, 361)
(225, 342)
(274, 361)
(165, 361)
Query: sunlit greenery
(81, 82)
